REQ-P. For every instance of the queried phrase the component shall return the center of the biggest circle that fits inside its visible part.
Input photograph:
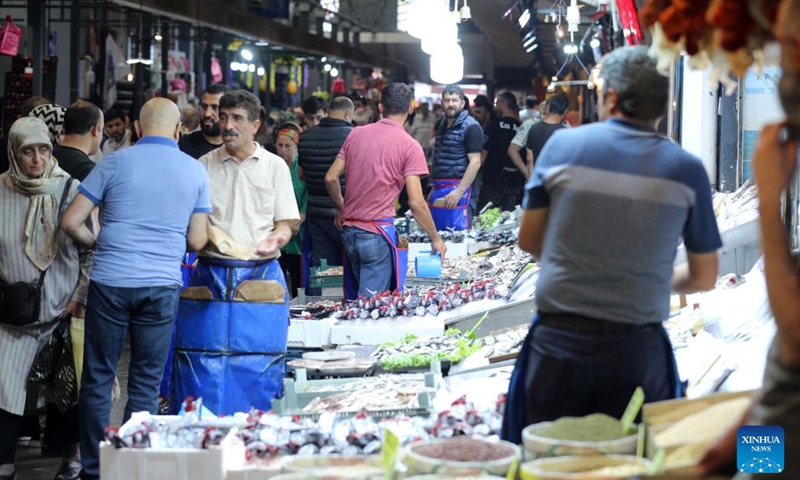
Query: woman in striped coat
(30, 242)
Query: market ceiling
(246, 25)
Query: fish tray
(303, 299)
(301, 391)
(430, 281)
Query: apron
(229, 350)
(516, 416)
(445, 218)
(399, 262)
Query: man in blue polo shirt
(154, 203)
(605, 210)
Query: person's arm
(279, 237)
(197, 234)
(77, 303)
(530, 160)
(334, 189)
(74, 222)
(516, 159)
(422, 214)
(774, 164)
(700, 234)
(532, 229)
(451, 199)
(698, 274)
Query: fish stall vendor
(378, 160)
(232, 325)
(605, 210)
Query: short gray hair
(642, 91)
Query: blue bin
(231, 353)
(426, 265)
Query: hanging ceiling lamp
(448, 66)
(439, 39)
(418, 19)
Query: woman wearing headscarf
(287, 136)
(32, 244)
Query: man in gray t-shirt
(605, 210)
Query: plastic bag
(11, 35)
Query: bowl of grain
(454, 476)
(590, 435)
(333, 467)
(460, 455)
(585, 467)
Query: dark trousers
(291, 266)
(326, 241)
(577, 373)
(60, 429)
(505, 197)
(10, 427)
(111, 312)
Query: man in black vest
(457, 159)
(317, 150)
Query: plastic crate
(316, 280)
(301, 391)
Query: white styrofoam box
(153, 464)
(453, 250)
(310, 333)
(383, 330)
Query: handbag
(54, 367)
(20, 302)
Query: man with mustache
(457, 159)
(238, 278)
(209, 137)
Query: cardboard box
(658, 409)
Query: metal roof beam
(221, 17)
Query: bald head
(341, 108)
(159, 117)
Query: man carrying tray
(232, 325)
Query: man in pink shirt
(378, 160)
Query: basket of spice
(591, 435)
(585, 467)
(460, 456)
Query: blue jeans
(111, 312)
(370, 258)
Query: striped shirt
(620, 199)
(67, 279)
